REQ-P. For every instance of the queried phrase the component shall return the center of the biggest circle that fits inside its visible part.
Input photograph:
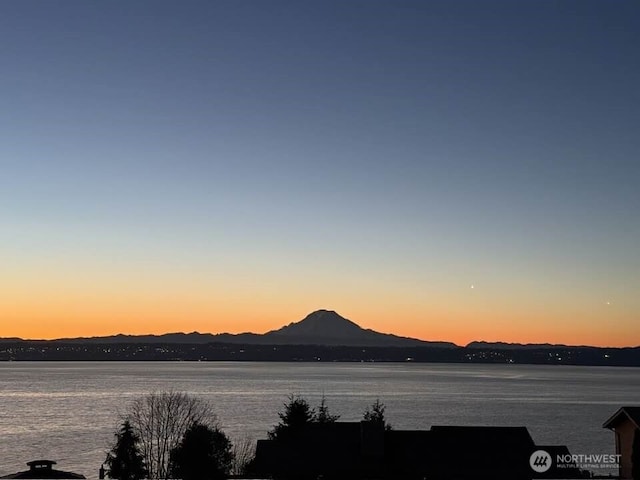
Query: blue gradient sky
(231, 166)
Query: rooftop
(623, 414)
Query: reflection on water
(69, 411)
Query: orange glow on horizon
(84, 309)
(459, 329)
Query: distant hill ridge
(520, 346)
(322, 327)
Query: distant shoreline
(76, 351)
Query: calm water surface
(69, 411)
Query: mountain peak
(324, 323)
(327, 327)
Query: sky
(446, 170)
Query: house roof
(496, 435)
(465, 451)
(329, 449)
(43, 469)
(31, 474)
(623, 414)
(342, 449)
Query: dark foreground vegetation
(553, 355)
(173, 435)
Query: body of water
(69, 411)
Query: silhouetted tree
(125, 461)
(161, 420)
(297, 413)
(203, 454)
(244, 454)
(323, 415)
(635, 456)
(376, 414)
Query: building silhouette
(43, 469)
(366, 450)
(625, 423)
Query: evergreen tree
(323, 415)
(297, 413)
(205, 453)
(376, 414)
(124, 461)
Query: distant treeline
(61, 351)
